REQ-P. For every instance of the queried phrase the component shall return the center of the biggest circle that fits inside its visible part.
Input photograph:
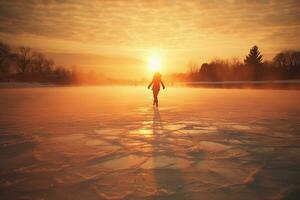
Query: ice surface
(109, 143)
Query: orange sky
(116, 37)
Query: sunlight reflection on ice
(142, 132)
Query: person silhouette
(156, 81)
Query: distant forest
(284, 66)
(24, 64)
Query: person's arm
(162, 84)
(150, 84)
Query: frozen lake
(109, 143)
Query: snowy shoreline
(275, 84)
(25, 85)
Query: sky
(117, 37)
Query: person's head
(157, 75)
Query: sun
(154, 63)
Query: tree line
(284, 66)
(24, 64)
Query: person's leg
(154, 97)
(155, 94)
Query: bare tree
(193, 68)
(287, 59)
(297, 58)
(48, 66)
(24, 59)
(38, 62)
(235, 62)
(5, 55)
(193, 71)
(279, 60)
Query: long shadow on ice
(166, 167)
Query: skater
(156, 81)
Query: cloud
(166, 24)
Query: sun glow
(154, 63)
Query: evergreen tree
(254, 61)
(254, 58)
